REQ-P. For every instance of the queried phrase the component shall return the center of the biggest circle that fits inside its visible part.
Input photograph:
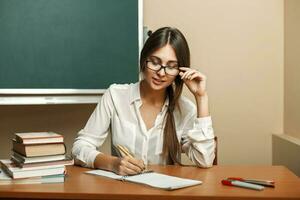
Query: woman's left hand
(194, 80)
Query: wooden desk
(83, 186)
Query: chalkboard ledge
(51, 91)
(49, 99)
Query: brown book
(39, 149)
(39, 138)
(37, 159)
(67, 161)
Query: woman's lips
(157, 81)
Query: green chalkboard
(68, 44)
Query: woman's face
(154, 74)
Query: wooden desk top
(79, 185)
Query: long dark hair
(158, 39)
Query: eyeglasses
(171, 70)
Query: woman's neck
(150, 96)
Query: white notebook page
(152, 179)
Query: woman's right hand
(128, 166)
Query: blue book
(5, 179)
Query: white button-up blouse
(118, 114)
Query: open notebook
(151, 178)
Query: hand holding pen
(127, 164)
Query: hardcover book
(5, 179)
(39, 137)
(17, 172)
(31, 150)
(37, 159)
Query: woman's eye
(155, 63)
(173, 66)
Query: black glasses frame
(161, 67)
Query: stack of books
(38, 157)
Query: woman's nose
(162, 72)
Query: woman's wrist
(106, 162)
(115, 164)
(201, 96)
(202, 105)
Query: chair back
(216, 152)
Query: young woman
(151, 118)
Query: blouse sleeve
(85, 147)
(198, 140)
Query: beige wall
(292, 68)
(238, 44)
(64, 119)
(286, 147)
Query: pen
(124, 151)
(242, 184)
(266, 183)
